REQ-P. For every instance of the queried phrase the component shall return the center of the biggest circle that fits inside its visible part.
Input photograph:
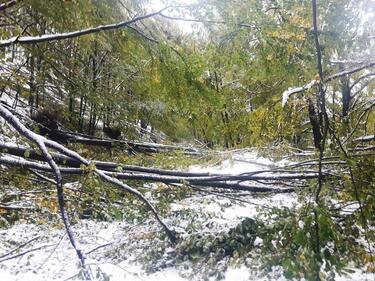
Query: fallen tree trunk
(365, 138)
(216, 181)
(32, 154)
(127, 144)
(64, 136)
(61, 159)
(45, 144)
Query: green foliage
(206, 252)
(238, 240)
(223, 91)
(18, 185)
(362, 188)
(291, 241)
(165, 195)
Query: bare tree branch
(363, 86)
(8, 4)
(43, 143)
(288, 93)
(61, 159)
(220, 181)
(207, 21)
(350, 71)
(25, 252)
(19, 247)
(366, 138)
(363, 114)
(61, 36)
(360, 78)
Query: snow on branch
(43, 143)
(361, 78)
(8, 4)
(292, 91)
(349, 71)
(21, 151)
(366, 138)
(211, 180)
(77, 33)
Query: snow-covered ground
(127, 246)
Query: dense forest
(204, 138)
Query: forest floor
(137, 250)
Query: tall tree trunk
(94, 69)
(346, 95)
(89, 128)
(31, 83)
(39, 69)
(314, 121)
(71, 108)
(82, 111)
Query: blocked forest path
(134, 249)
(128, 245)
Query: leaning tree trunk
(346, 95)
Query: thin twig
(26, 252)
(20, 246)
(51, 253)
